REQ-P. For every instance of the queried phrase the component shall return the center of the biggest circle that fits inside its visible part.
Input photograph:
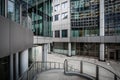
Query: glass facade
(112, 51)
(64, 5)
(57, 33)
(60, 48)
(41, 15)
(4, 68)
(14, 10)
(84, 17)
(28, 13)
(2, 7)
(57, 17)
(64, 15)
(56, 1)
(57, 8)
(64, 33)
(87, 49)
(112, 17)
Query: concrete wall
(61, 24)
(13, 37)
(97, 39)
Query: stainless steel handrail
(38, 67)
(66, 66)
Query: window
(14, 10)
(64, 33)
(2, 7)
(57, 8)
(57, 17)
(11, 9)
(64, 15)
(56, 1)
(64, 5)
(4, 68)
(57, 33)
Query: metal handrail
(38, 67)
(97, 68)
(26, 71)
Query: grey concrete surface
(112, 65)
(57, 75)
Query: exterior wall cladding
(87, 27)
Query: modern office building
(20, 21)
(70, 27)
(87, 28)
(16, 39)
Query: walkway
(57, 75)
(114, 66)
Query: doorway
(118, 55)
(114, 55)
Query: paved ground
(114, 66)
(57, 75)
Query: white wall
(24, 61)
(36, 53)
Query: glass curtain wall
(4, 68)
(112, 17)
(86, 49)
(14, 10)
(33, 14)
(85, 18)
(112, 51)
(18, 11)
(41, 14)
(61, 48)
(2, 7)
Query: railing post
(97, 72)
(81, 67)
(27, 75)
(37, 67)
(115, 77)
(65, 66)
(59, 65)
(54, 65)
(50, 65)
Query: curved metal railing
(71, 66)
(96, 71)
(38, 67)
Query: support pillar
(49, 48)
(23, 61)
(102, 30)
(44, 53)
(16, 65)
(11, 67)
(102, 21)
(44, 56)
(102, 52)
(69, 49)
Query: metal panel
(13, 37)
(4, 37)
